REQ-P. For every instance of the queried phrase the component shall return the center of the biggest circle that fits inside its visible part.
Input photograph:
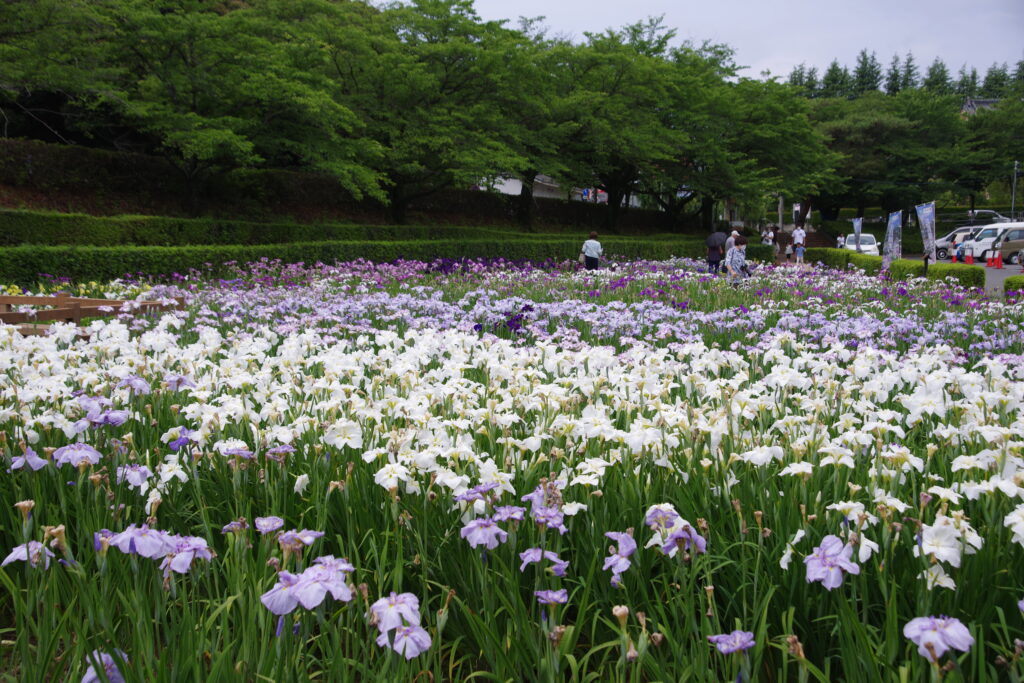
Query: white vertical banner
(926, 217)
(858, 224)
(893, 239)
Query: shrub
(23, 265)
(903, 269)
(866, 262)
(1014, 283)
(970, 276)
(833, 258)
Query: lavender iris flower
(737, 641)
(281, 599)
(109, 664)
(178, 382)
(687, 538)
(265, 525)
(136, 384)
(30, 458)
(76, 455)
(551, 517)
(185, 549)
(828, 562)
(390, 612)
(558, 597)
(935, 635)
(135, 475)
(506, 513)
(32, 552)
(410, 641)
(484, 532)
(618, 562)
(150, 543)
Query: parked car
(1011, 244)
(944, 245)
(868, 244)
(981, 241)
(983, 216)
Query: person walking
(736, 261)
(714, 259)
(591, 252)
(731, 242)
(799, 237)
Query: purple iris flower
(237, 526)
(687, 538)
(151, 543)
(935, 635)
(29, 458)
(551, 517)
(185, 549)
(98, 536)
(410, 641)
(737, 641)
(536, 498)
(183, 438)
(32, 552)
(265, 525)
(485, 532)
(506, 513)
(76, 454)
(109, 664)
(533, 555)
(293, 540)
(558, 597)
(476, 493)
(661, 518)
(395, 611)
(618, 562)
(281, 599)
(277, 453)
(828, 562)
(178, 382)
(135, 475)
(136, 384)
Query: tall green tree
(836, 82)
(997, 81)
(623, 136)
(967, 82)
(894, 77)
(426, 85)
(867, 74)
(909, 76)
(937, 79)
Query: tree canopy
(398, 101)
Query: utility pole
(1013, 190)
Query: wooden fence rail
(70, 309)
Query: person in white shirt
(840, 242)
(592, 252)
(799, 237)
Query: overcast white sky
(779, 34)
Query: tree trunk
(707, 214)
(524, 210)
(397, 205)
(805, 211)
(615, 195)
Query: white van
(984, 237)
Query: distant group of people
(729, 253)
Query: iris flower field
(494, 471)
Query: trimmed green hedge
(900, 269)
(46, 228)
(833, 258)
(871, 265)
(1014, 283)
(23, 265)
(969, 276)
